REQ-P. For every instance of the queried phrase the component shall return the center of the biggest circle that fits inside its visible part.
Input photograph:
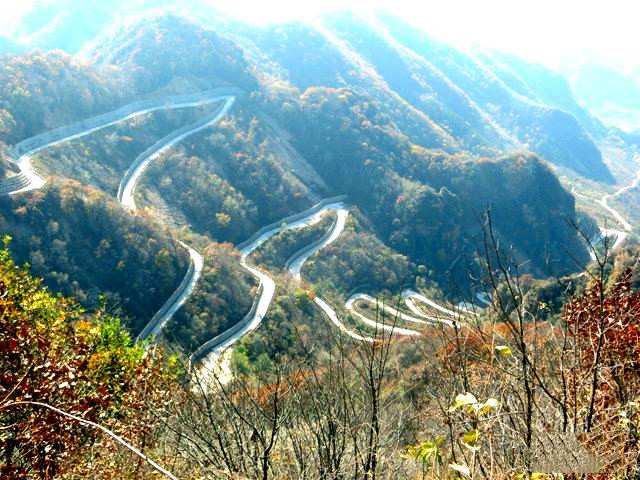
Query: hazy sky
(541, 30)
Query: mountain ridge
(418, 183)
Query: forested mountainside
(83, 243)
(466, 96)
(45, 91)
(410, 129)
(421, 137)
(69, 372)
(331, 239)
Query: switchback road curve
(28, 179)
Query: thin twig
(89, 423)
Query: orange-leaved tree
(53, 353)
(606, 384)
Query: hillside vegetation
(382, 402)
(412, 138)
(83, 243)
(453, 164)
(54, 354)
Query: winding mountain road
(295, 265)
(133, 174)
(609, 232)
(603, 202)
(216, 364)
(377, 325)
(406, 295)
(218, 359)
(336, 321)
(24, 151)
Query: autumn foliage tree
(606, 328)
(84, 364)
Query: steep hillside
(101, 158)
(39, 92)
(420, 83)
(168, 55)
(479, 103)
(223, 296)
(384, 173)
(83, 243)
(77, 237)
(541, 85)
(308, 57)
(260, 185)
(482, 103)
(411, 130)
(533, 124)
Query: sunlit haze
(549, 31)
